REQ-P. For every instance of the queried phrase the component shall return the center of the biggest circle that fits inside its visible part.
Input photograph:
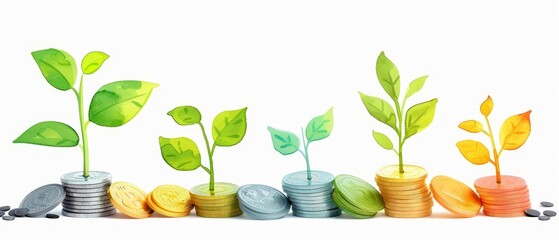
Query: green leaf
(185, 115)
(419, 116)
(229, 127)
(388, 76)
(415, 86)
(284, 142)
(50, 133)
(381, 110)
(383, 140)
(180, 153)
(118, 102)
(320, 127)
(57, 66)
(93, 61)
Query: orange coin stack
(506, 199)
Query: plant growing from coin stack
(113, 105)
(513, 134)
(416, 118)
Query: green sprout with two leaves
(182, 153)
(288, 143)
(113, 105)
(416, 118)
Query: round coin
(415, 214)
(221, 190)
(87, 190)
(86, 199)
(299, 180)
(94, 178)
(508, 183)
(43, 199)
(392, 173)
(86, 195)
(166, 212)
(262, 198)
(359, 193)
(263, 216)
(88, 215)
(455, 196)
(129, 199)
(172, 198)
(86, 207)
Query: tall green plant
(113, 105)
(416, 118)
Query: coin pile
(455, 196)
(507, 199)
(222, 202)
(356, 197)
(263, 202)
(170, 201)
(405, 194)
(311, 198)
(129, 199)
(87, 196)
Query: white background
(287, 61)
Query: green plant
(417, 117)
(113, 105)
(228, 129)
(514, 133)
(288, 143)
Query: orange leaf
(515, 130)
(486, 107)
(472, 126)
(474, 151)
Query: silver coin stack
(311, 198)
(262, 202)
(87, 196)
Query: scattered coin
(544, 204)
(2, 213)
(43, 199)
(5, 208)
(549, 213)
(52, 215)
(543, 218)
(21, 212)
(8, 218)
(532, 212)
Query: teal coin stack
(311, 198)
(262, 202)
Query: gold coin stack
(405, 195)
(222, 202)
(170, 201)
(506, 199)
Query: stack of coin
(356, 197)
(222, 202)
(129, 199)
(406, 195)
(506, 199)
(263, 202)
(311, 198)
(170, 201)
(87, 196)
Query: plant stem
(495, 155)
(83, 127)
(400, 140)
(306, 155)
(210, 156)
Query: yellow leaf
(515, 130)
(472, 126)
(474, 151)
(486, 107)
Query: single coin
(12, 212)
(129, 199)
(299, 191)
(521, 205)
(165, 212)
(86, 195)
(390, 193)
(2, 213)
(215, 204)
(221, 190)
(219, 214)
(549, 213)
(87, 207)
(52, 216)
(309, 194)
(5, 208)
(8, 218)
(89, 203)
(311, 200)
(172, 198)
(505, 199)
(94, 178)
(411, 200)
(392, 173)
(544, 204)
(101, 210)
(532, 212)
(86, 199)
(20, 212)
(415, 214)
(88, 186)
(359, 193)
(319, 214)
(43, 199)
(263, 216)
(349, 208)
(455, 196)
(428, 203)
(543, 218)
(87, 190)
(262, 198)
(88, 215)
(508, 183)
(506, 214)
(504, 193)
(299, 180)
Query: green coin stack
(356, 197)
